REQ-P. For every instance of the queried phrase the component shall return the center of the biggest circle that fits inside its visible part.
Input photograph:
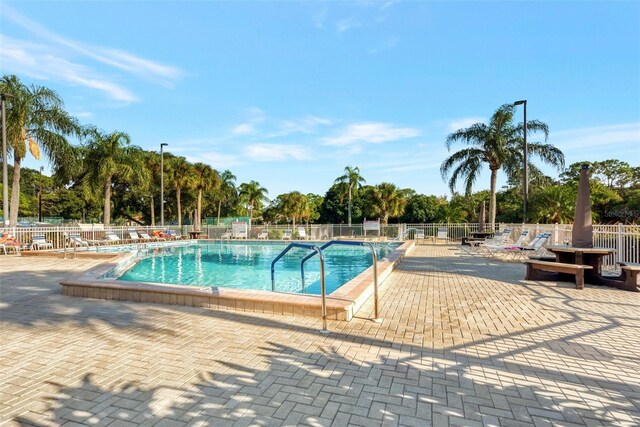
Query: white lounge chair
(133, 235)
(287, 235)
(226, 235)
(40, 242)
(147, 237)
(111, 237)
(77, 241)
(302, 233)
(492, 248)
(419, 235)
(441, 234)
(534, 249)
(263, 235)
(239, 230)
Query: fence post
(620, 256)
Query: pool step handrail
(323, 289)
(350, 243)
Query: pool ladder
(323, 291)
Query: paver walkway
(465, 341)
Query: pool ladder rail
(323, 291)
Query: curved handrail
(350, 243)
(323, 289)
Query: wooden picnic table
(584, 256)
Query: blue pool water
(247, 265)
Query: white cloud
(215, 159)
(306, 125)
(244, 129)
(256, 116)
(116, 58)
(454, 125)
(346, 24)
(370, 132)
(597, 136)
(276, 152)
(36, 61)
(388, 44)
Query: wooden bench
(630, 274)
(535, 268)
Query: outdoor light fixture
(164, 144)
(526, 163)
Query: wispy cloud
(215, 159)
(386, 45)
(243, 129)
(255, 116)
(465, 122)
(370, 132)
(276, 152)
(307, 125)
(598, 136)
(36, 61)
(346, 24)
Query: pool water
(247, 265)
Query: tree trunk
(178, 191)
(199, 211)
(492, 201)
(107, 202)
(349, 206)
(219, 208)
(14, 207)
(153, 210)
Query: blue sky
(289, 93)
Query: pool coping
(342, 304)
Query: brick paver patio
(465, 341)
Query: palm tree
(294, 205)
(352, 181)
(152, 163)
(206, 179)
(387, 201)
(182, 177)
(227, 189)
(35, 118)
(254, 195)
(554, 204)
(500, 145)
(110, 156)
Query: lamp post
(164, 144)
(40, 195)
(526, 163)
(5, 178)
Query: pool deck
(465, 341)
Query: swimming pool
(247, 265)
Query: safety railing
(323, 290)
(374, 257)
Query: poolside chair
(534, 249)
(133, 235)
(239, 230)
(146, 236)
(77, 241)
(263, 235)
(7, 241)
(287, 235)
(226, 235)
(441, 234)
(38, 241)
(419, 235)
(492, 248)
(302, 233)
(111, 237)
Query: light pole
(5, 178)
(164, 144)
(40, 196)
(526, 163)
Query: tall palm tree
(387, 201)
(352, 181)
(206, 179)
(253, 194)
(152, 164)
(499, 144)
(110, 156)
(227, 189)
(35, 118)
(182, 177)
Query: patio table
(584, 256)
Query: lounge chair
(111, 237)
(287, 235)
(133, 235)
(263, 235)
(239, 230)
(7, 241)
(226, 235)
(492, 248)
(441, 234)
(302, 233)
(77, 241)
(534, 249)
(146, 236)
(38, 241)
(419, 235)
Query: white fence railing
(625, 239)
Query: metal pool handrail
(374, 256)
(323, 290)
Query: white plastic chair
(287, 235)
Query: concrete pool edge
(342, 304)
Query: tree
(206, 179)
(35, 118)
(110, 156)
(387, 201)
(294, 205)
(182, 177)
(422, 209)
(353, 181)
(253, 194)
(226, 191)
(500, 145)
(554, 204)
(152, 163)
